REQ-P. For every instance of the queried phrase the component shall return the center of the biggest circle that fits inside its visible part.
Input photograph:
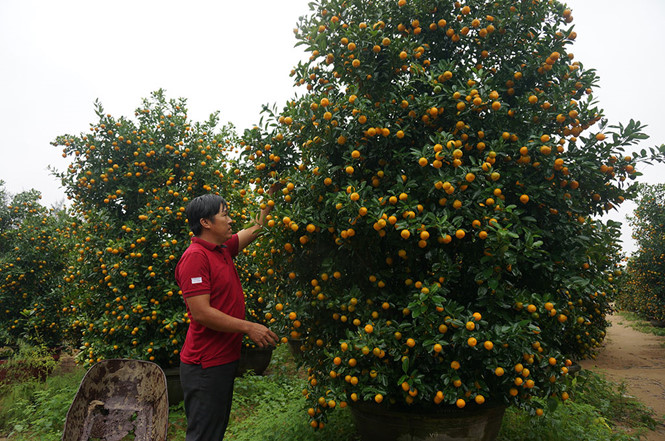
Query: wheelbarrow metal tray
(119, 398)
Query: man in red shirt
(215, 303)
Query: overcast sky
(57, 57)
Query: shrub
(435, 236)
(28, 363)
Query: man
(215, 303)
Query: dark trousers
(208, 394)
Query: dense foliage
(436, 237)
(643, 279)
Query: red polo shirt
(206, 268)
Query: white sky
(57, 57)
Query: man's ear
(205, 223)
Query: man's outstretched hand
(262, 336)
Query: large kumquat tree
(129, 182)
(33, 255)
(436, 236)
(643, 280)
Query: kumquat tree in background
(33, 254)
(129, 182)
(643, 286)
(437, 236)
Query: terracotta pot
(255, 359)
(477, 423)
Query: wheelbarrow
(119, 400)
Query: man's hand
(262, 336)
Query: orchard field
(438, 240)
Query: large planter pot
(254, 359)
(377, 422)
(295, 347)
(657, 323)
(173, 386)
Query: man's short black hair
(203, 207)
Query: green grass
(36, 409)
(638, 323)
(270, 408)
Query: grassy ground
(639, 324)
(270, 408)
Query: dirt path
(638, 360)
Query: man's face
(221, 225)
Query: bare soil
(638, 360)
